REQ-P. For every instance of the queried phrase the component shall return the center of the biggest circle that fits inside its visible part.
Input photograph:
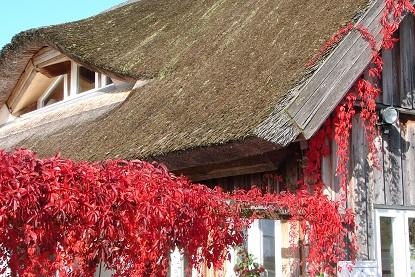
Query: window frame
(44, 58)
(400, 226)
(256, 241)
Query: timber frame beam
(239, 158)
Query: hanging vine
(59, 216)
(363, 95)
(365, 92)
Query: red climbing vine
(361, 98)
(366, 90)
(57, 215)
(324, 227)
(60, 216)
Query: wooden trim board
(329, 84)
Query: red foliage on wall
(365, 91)
(324, 227)
(57, 215)
(362, 95)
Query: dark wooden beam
(240, 163)
(55, 70)
(229, 171)
(215, 154)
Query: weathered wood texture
(407, 62)
(290, 171)
(247, 181)
(359, 197)
(392, 164)
(408, 162)
(376, 177)
(393, 183)
(328, 173)
(390, 77)
(229, 165)
(398, 79)
(180, 161)
(328, 85)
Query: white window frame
(41, 101)
(255, 243)
(177, 265)
(71, 93)
(400, 246)
(101, 81)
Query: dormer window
(49, 78)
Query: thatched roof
(220, 68)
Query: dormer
(50, 78)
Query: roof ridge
(125, 3)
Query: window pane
(386, 245)
(86, 79)
(268, 247)
(411, 226)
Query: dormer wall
(51, 77)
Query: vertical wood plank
(408, 162)
(407, 61)
(290, 261)
(327, 173)
(291, 173)
(358, 197)
(334, 179)
(375, 195)
(376, 183)
(392, 164)
(390, 77)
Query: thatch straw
(219, 69)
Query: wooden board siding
(243, 182)
(376, 177)
(290, 260)
(408, 162)
(328, 173)
(392, 184)
(392, 164)
(390, 77)
(288, 167)
(398, 77)
(407, 62)
(327, 86)
(359, 194)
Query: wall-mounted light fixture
(389, 115)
